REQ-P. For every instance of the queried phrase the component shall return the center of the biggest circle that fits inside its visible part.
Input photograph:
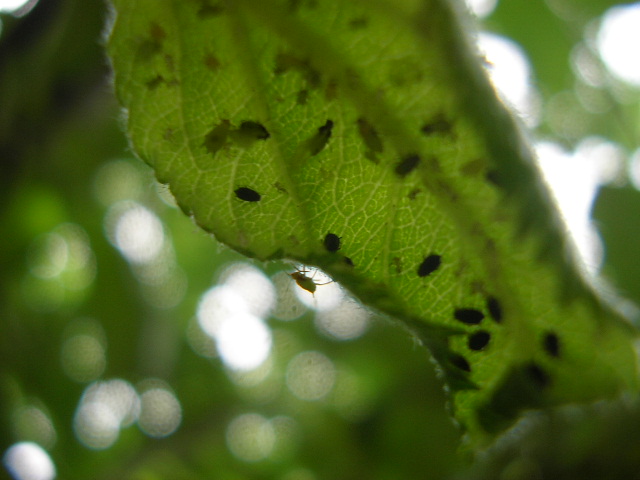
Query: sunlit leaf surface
(363, 138)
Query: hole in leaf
(147, 49)
(245, 135)
(286, 62)
(348, 261)
(470, 316)
(413, 194)
(302, 96)
(404, 72)
(551, 344)
(211, 62)
(495, 310)
(217, 137)
(153, 44)
(154, 82)
(429, 265)
(247, 194)
(494, 177)
(332, 242)
(317, 143)
(369, 155)
(295, 5)
(210, 9)
(249, 132)
(358, 23)
(407, 165)
(479, 340)
(473, 167)
(156, 32)
(397, 263)
(331, 90)
(439, 125)
(460, 362)
(278, 186)
(522, 388)
(369, 136)
(537, 375)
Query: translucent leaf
(363, 137)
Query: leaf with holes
(363, 137)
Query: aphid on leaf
(247, 194)
(306, 282)
(332, 242)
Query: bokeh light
(48, 256)
(216, 306)
(61, 267)
(587, 66)
(481, 8)
(83, 358)
(510, 73)
(574, 179)
(163, 283)
(31, 423)
(347, 321)
(618, 40)
(254, 377)
(83, 352)
(71, 252)
(253, 286)
(105, 407)
(96, 425)
(288, 305)
(243, 341)
(287, 433)
(310, 375)
(200, 342)
(229, 313)
(29, 461)
(250, 437)
(160, 412)
(18, 8)
(634, 169)
(566, 116)
(118, 180)
(136, 232)
(80, 268)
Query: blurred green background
(117, 359)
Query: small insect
(307, 282)
(247, 194)
(429, 265)
(331, 242)
(470, 316)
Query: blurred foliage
(620, 229)
(569, 443)
(66, 168)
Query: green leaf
(364, 138)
